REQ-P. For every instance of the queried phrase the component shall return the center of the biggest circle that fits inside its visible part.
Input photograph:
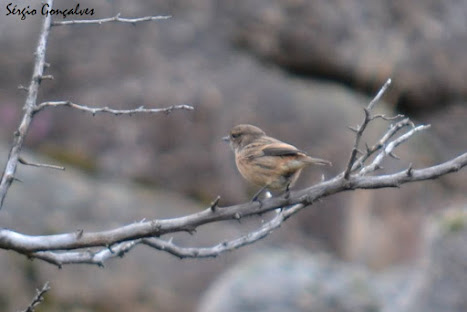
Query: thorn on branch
(409, 170)
(394, 156)
(189, 229)
(353, 129)
(23, 88)
(24, 162)
(79, 233)
(171, 239)
(47, 77)
(214, 203)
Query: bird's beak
(226, 138)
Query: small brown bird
(266, 161)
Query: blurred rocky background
(302, 71)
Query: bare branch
(97, 247)
(58, 248)
(393, 129)
(390, 148)
(38, 298)
(360, 129)
(29, 108)
(98, 258)
(216, 250)
(114, 19)
(24, 162)
(96, 110)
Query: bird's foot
(256, 196)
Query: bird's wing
(281, 149)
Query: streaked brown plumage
(266, 161)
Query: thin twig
(216, 250)
(390, 148)
(38, 298)
(96, 110)
(393, 129)
(29, 108)
(384, 117)
(380, 94)
(113, 19)
(360, 129)
(24, 162)
(47, 77)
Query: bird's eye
(235, 135)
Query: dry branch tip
(38, 298)
(214, 204)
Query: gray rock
(291, 280)
(361, 43)
(441, 284)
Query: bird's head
(242, 135)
